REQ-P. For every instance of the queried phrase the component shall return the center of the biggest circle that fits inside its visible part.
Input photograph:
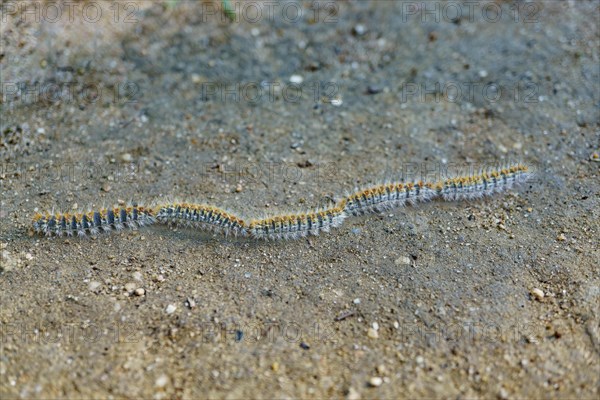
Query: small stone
(140, 291)
(275, 366)
(356, 301)
(483, 73)
(171, 309)
(404, 260)
(381, 369)
(420, 360)
(561, 237)
(359, 30)
(503, 394)
(337, 102)
(538, 294)
(238, 188)
(372, 333)
(161, 381)
(93, 285)
(130, 287)
(375, 381)
(106, 187)
(126, 157)
(297, 79)
(190, 302)
(372, 89)
(352, 394)
(304, 346)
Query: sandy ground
(148, 100)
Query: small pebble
(161, 381)
(304, 345)
(352, 394)
(171, 309)
(140, 291)
(538, 294)
(93, 285)
(297, 79)
(561, 237)
(371, 89)
(359, 30)
(375, 381)
(130, 287)
(191, 303)
(372, 333)
(127, 157)
(402, 261)
(106, 187)
(356, 301)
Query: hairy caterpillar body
(92, 222)
(298, 225)
(374, 199)
(483, 184)
(201, 216)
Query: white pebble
(360, 29)
(404, 260)
(375, 381)
(297, 79)
(356, 301)
(372, 333)
(171, 309)
(538, 293)
(161, 381)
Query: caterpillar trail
(374, 199)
